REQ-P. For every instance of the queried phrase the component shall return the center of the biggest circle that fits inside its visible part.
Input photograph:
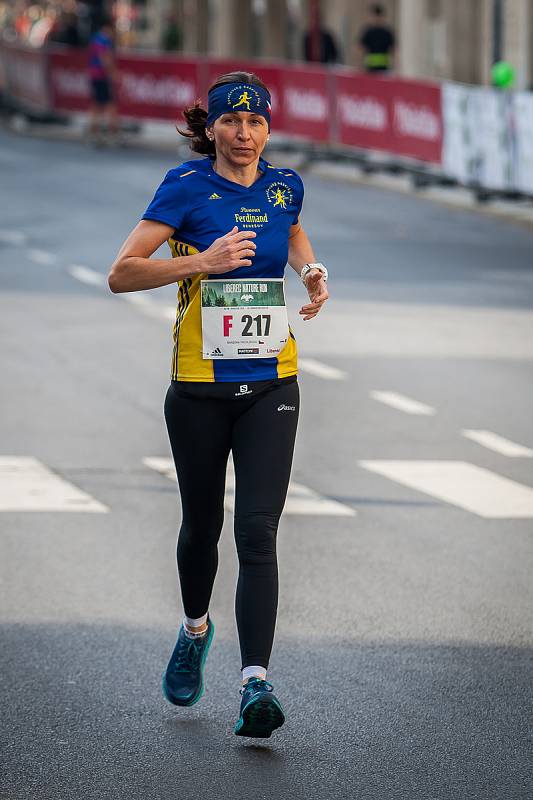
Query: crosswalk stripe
(499, 444)
(321, 370)
(26, 484)
(402, 403)
(300, 499)
(462, 484)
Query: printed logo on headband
(243, 97)
(279, 194)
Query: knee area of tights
(198, 536)
(255, 536)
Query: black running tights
(259, 429)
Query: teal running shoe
(261, 711)
(183, 683)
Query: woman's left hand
(318, 294)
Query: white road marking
(136, 299)
(141, 300)
(402, 403)
(321, 370)
(462, 484)
(300, 499)
(86, 275)
(163, 465)
(42, 257)
(13, 237)
(498, 443)
(26, 484)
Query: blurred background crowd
(440, 39)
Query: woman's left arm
(301, 253)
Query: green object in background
(502, 75)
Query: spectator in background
(67, 31)
(103, 75)
(319, 44)
(171, 38)
(376, 42)
(44, 28)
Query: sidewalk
(163, 137)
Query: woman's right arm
(134, 270)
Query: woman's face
(240, 137)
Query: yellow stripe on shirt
(187, 361)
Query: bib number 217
(253, 326)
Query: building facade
(437, 39)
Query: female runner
(232, 223)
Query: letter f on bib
(228, 324)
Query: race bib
(243, 319)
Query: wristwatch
(308, 267)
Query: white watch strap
(308, 267)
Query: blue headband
(232, 97)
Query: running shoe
(261, 711)
(183, 683)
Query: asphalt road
(403, 653)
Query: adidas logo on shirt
(215, 196)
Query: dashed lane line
(462, 484)
(92, 277)
(300, 499)
(13, 237)
(42, 257)
(26, 484)
(88, 276)
(492, 441)
(321, 370)
(402, 403)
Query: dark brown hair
(196, 116)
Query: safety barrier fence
(478, 136)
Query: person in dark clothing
(327, 50)
(377, 42)
(319, 44)
(67, 30)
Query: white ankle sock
(191, 622)
(254, 672)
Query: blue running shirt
(201, 206)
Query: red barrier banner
(307, 104)
(401, 117)
(25, 76)
(417, 120)
(156, 88)
(148, 88)
(318, 104)
(69, 82)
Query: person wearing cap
(232, 221)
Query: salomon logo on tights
(283, 407)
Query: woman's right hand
(234, 249)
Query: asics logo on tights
(283, 407)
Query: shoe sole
(166, 691)
(260, 718)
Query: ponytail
(196, 118)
